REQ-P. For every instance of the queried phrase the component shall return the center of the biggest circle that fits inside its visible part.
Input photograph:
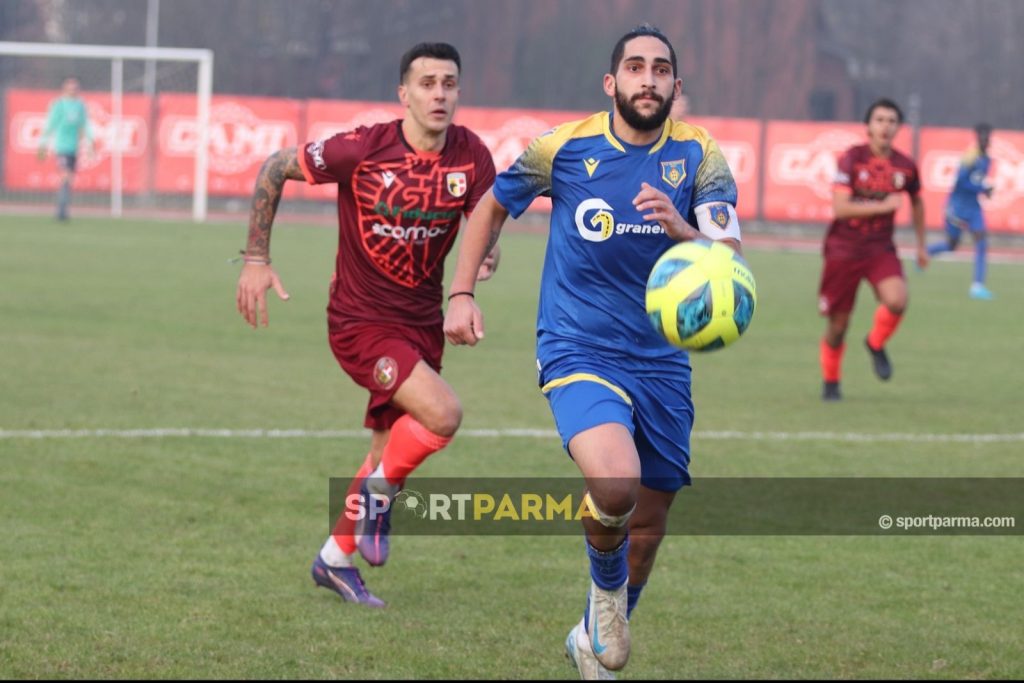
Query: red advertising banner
(801, 161)
(26, 118)
(740, 142)
(796, 165)
(941, 151)
(244, 131)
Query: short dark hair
(436, 50)
(884, 103)
(640, 31)
(983, 128)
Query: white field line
(494, 433)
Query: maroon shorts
(841, 277)
(380, 356)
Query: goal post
(118, 57)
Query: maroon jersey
(867, 176)
(398, 213)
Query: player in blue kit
(963, 210)
(625, 185)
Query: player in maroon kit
(859, 245)
(403, 188)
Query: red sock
(345, 527)
(831, 361)
(409, 444)
(886, 323)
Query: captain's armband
(718, 221)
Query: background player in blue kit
(963, 210)
(625, 185)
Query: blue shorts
(964, 218)
(656, 407)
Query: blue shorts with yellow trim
(960, 218)
(656, 408)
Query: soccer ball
(701, 295)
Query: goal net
(149, 113)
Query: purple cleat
(345, 581)
(373, 529)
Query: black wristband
(455, 294)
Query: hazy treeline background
(949, 62)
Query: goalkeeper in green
(67, 122)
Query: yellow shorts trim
(586, 377)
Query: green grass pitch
(189, 556)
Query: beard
(635, 119)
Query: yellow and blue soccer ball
(701, 295)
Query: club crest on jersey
(456, 183)
(385, 373)
(673, 172)
(719, 215)
(898, 180)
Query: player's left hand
(490, 265)
(922, 256)
(658, 207)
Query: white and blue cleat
(981, 292)
(581, 656)
(608, 626)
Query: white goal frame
(117, 55)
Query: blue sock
(980, 249)
(938, 248)
(609, 570)
(633, 597)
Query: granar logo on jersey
(595, 222)
(673, 172)
(601, 223)
(457, 184)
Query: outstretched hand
(251, 297)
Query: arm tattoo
(492, 239)
(280, 166)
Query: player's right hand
(251, 297)
(463, 322)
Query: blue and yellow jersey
(600, 250)
(970, 181)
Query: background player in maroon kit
(870, 180)
(403, 188)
